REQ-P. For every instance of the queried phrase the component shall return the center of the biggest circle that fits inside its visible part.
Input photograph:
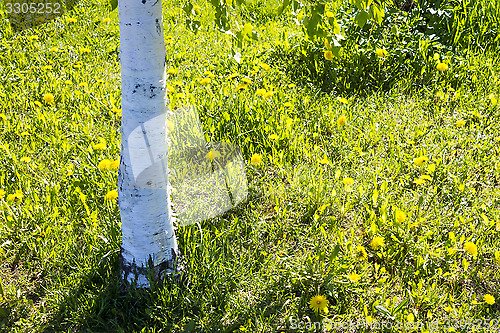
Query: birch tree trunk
(148, 240)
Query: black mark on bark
(158, 27)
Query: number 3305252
(33, 8)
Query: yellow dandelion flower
(47, 68)
(99, 146)
(197, 8)
(489, 299)
(420, 160)
(213, 154)
(18, 195)
(354, 277)
(205, 80)
(329, 14)
(460, 123)
(260, 92)
(104, 164)
(377, 242)
(471, 248)
(265, 66)
(33, 37)
(246, 80)
(106, 20)
(274, 137)
(448, 309)
(427, 177)
(288, 104)
(111, 195)
(400, 216)
(361, 253)
(48, 98)
(318, 303)
(348, 181)
(268, 94)
(342, 100)
(115, 164)
(291, 85)
(419, 181)
(25, 159)
(3, 116)
(342, 120)
(54, 49)
(242, 87)
(85, 50)
(170, 89)
(2, 193)
(442, 67)
(431, 168)
(172, 71)
(256, 159)
(381, 53)
(328, 55)
(493, 100)
(70, 20)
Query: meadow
(374, 177)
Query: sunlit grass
(386, 205)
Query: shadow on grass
(102, 302)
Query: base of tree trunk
(136, 276)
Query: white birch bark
(148, 236)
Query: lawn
(383, 200)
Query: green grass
(298, 235)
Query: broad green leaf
(193, 25)
(334, 253)
(360, 4)
(114, 4)
(361, 18)
(281, 8)
(378, 13)
(4, 313)
(189, 327)
(188, 8)
(296, 4)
